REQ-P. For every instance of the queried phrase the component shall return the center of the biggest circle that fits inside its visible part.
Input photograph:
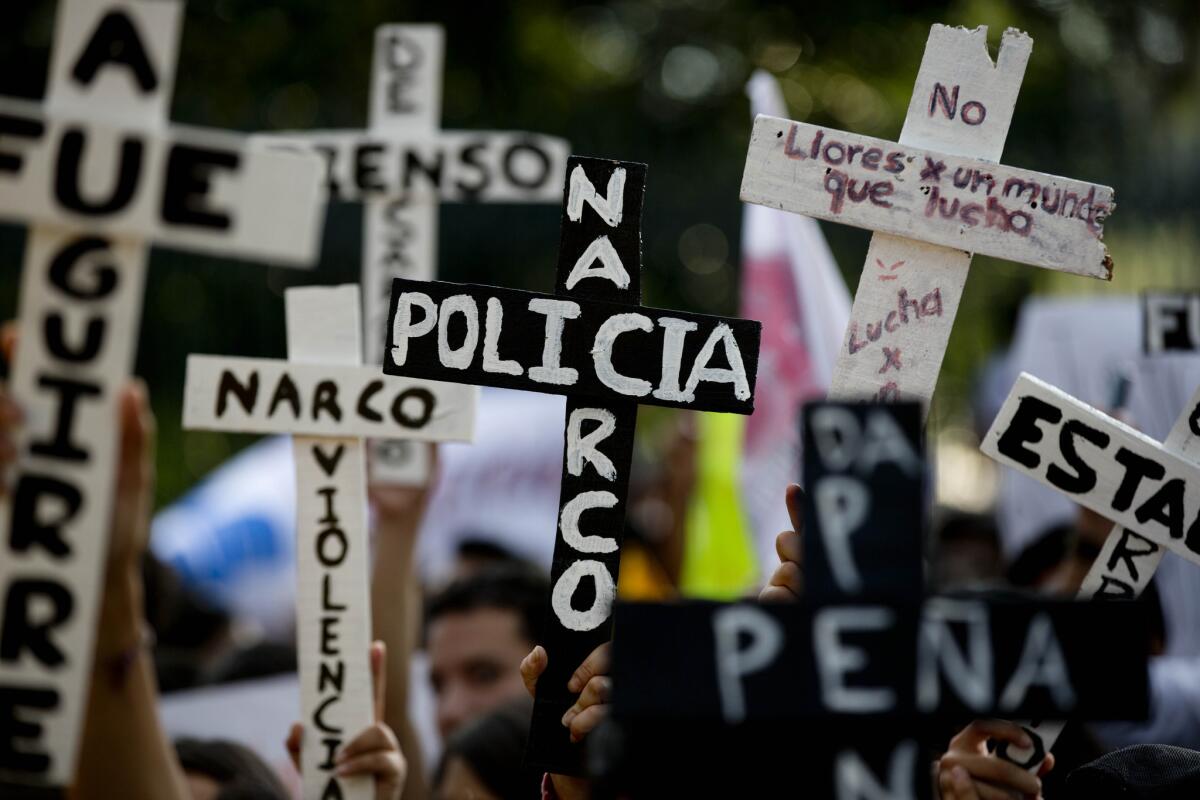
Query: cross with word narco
(99, 175)
(328, 401)
(932, 199)
(401, 167)
(593, 342)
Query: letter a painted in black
(116, 41)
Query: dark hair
(519, 588)
(240, 773)
(494, 748)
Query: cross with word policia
(593, 342)
(1151, 490)
(400, 167)
(328, 401)
(99, 175)
(933, 199)
(866, 669)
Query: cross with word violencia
(99, 176)
(593, 342)
(328, 402)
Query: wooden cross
(1171, 322)
(400, 167)
(98, 175)
(328, 402)
(593, 342)
(865, 666)
(933, 199)
(1151, 491)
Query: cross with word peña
(400, 167)
(1151, 491)
(99, 175)
(865, 666)
(933, 199)
(328, 401)
(593, 342)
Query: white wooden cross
(328, 401)
(1151, 490)
(400, 167)
(99, 175)
(933, 199)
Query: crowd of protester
(479, 635)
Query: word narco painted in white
(929, 198)
(1129, 558)
(257, 395)
(97, 173)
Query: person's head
(221, 770)
(483, 759)
(477, 630)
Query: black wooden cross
(839, 696)
(593, 342)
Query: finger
(787, 583)
(293, 743)
(597, 691)
(975, 735)
(794, 496)
(995, 771)
(1047, 765)
(373, 737)
(532, 666)
(964, 787)
(8, 340)
(379, 677)
(986, 791)
(586, 721)
(777, 594)
(788, 546)
(595, 664)
(381, 763)
(945, 785)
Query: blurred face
(475, 660)
(201, 787)
(460, 782)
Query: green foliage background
(1110, 96)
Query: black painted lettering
(22, 127)
(325, 399)
(246, 393)
(116, 41)
(1165, 507)
(329, 636)
(17, 727)
(366, 167)
(1084, 479)
(188, 183)
(335, 538)
(285, 392)
(422, 396)
(467, 157)
(1023, 428)
(20, 632)
(63, 274)
(537, 176)
(69, 392)
(1136, 468)
(32, 523)
(56, 340)
(364, 410)
(327, 603)
(67, 176)
(331, 678)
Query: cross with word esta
(99, 175)
(866, 668)
(932, 199)
(593, 342)
(400, 167)
(1151, 491)
(328, 401)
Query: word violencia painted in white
(268, 396)
(1100, 463)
